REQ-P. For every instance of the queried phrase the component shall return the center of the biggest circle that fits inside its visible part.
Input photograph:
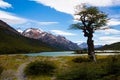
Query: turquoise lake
(65, 53)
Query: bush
(81, 59)
(39, 68)
(1, 69)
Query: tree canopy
(90, 18)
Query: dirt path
(20, 72)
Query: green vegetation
(106, 69)
(65, 68)
(114, 46)
(39, 68)
(113, 66)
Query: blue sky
(55, 16)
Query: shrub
(81, 59)
(1, 69)
(39, 68)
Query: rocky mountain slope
(12, 42)
(55, 41)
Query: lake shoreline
(64, 53)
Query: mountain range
(84, 46)
(31, 40)
(54, 41)
(11, 41)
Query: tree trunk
(91, 52)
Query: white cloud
(107, 36)
(11, 18)
(67, 6)
(114, 22)
(59, 32)
(109, 39)
(4, 4)
(47, 23)
(15, 20)
(109, 31)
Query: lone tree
(89, 19)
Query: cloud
(107, 36)
(109, 39)
(59, 32)
(47, 23)
(68, 6)
(11, 18)
(114, 22)
(4, 4)
(109, 31)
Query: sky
(56, 16)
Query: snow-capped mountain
(32, 33)
(55, 41)
(85, 46)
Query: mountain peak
(55, 41)
(32, 33)
(33, 30)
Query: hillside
(114, 46)
(12, 42)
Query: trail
(20, 72)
